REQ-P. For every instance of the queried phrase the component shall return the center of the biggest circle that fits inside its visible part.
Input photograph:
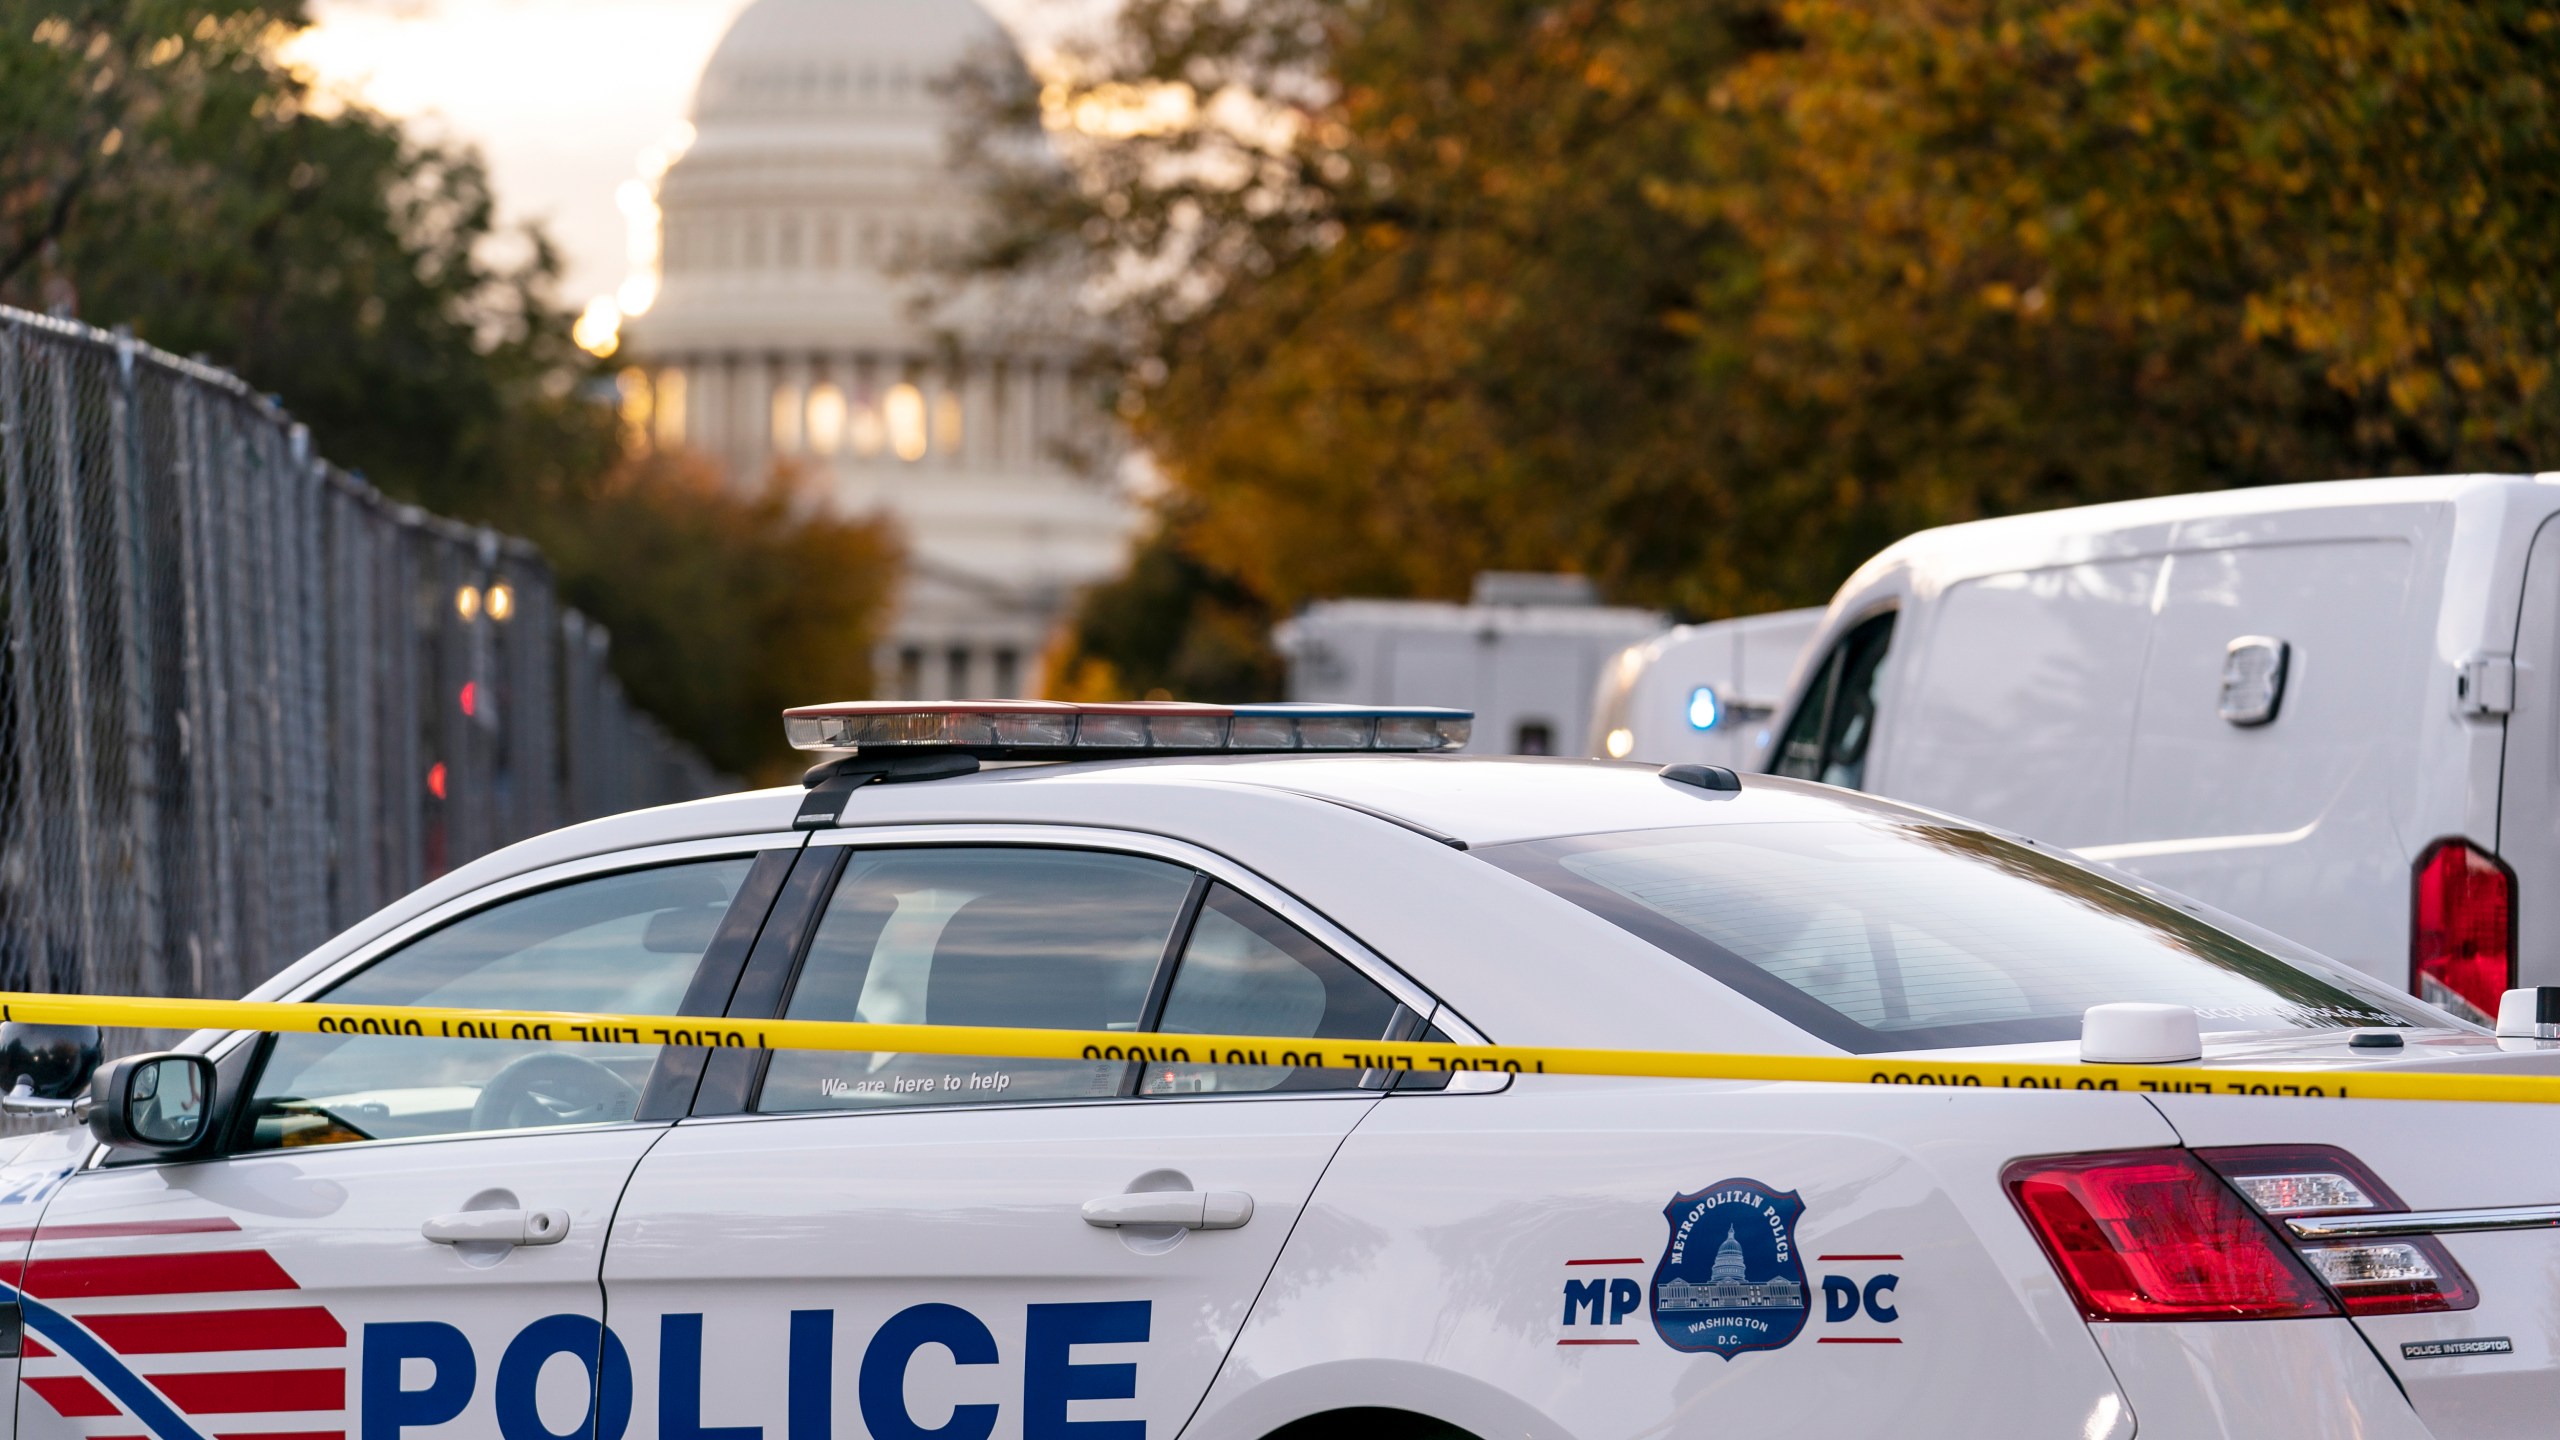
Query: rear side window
(1245, 971)
(1016, 937)
(1891, 936)
(1828, 736)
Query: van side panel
(2528, 837)
(2386, 590)
(2020, 708)
(2291, 818)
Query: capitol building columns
(784, 331)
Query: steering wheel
(552, 1088)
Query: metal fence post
(29, 897)
(74, 621)
(142, 766)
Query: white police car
(404, 1239)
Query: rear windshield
(1877, 935)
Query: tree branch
(55, 223)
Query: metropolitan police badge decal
(1731, 1280)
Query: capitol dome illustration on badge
(1731, 1280)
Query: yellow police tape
(568, 1027)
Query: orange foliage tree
(1711, 299)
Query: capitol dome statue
(785, 328)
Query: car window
(1006, 936)
(1246, 971)
(1828, 736)
(1897, 936)
(625, 943)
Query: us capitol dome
(785, 328)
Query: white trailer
(1524, 655)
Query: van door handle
(498, 1227)
(1190, 1209)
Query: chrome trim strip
(2424, 1222)
(2193, 845)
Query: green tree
(1166, 627)
(82, 86)
(746, 606)
(160, 167)
(175, 176)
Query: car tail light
(2155, 1235)
(2380, 1275)
(2462, 930)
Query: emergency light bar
(1051, 730)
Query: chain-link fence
(245, 700)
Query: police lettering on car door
(91, 1366)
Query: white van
(1704, 694)
(2332, 709)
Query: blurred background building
(1525, 654)
(790, 326)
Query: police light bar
(1051, 730)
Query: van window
(1881, 935)
(1828, 736)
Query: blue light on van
(1704, 712)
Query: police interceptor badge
(1731, 1280)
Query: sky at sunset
(563, 96)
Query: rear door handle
(498, 1227)
(1190, 1209)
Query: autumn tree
(1711, 299)
(2008, 256)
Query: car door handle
(1190, 1209)
(498, 1227)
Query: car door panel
(903, 1240)
(29, 1181)
(293, 1292)
(846, 1262)
(399, 1236)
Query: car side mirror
(162, 1104)
(44, 1068)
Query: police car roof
(888, 759)
(1362, 835)
(1476, 800)
(1209, 800)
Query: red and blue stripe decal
(100, 1343)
